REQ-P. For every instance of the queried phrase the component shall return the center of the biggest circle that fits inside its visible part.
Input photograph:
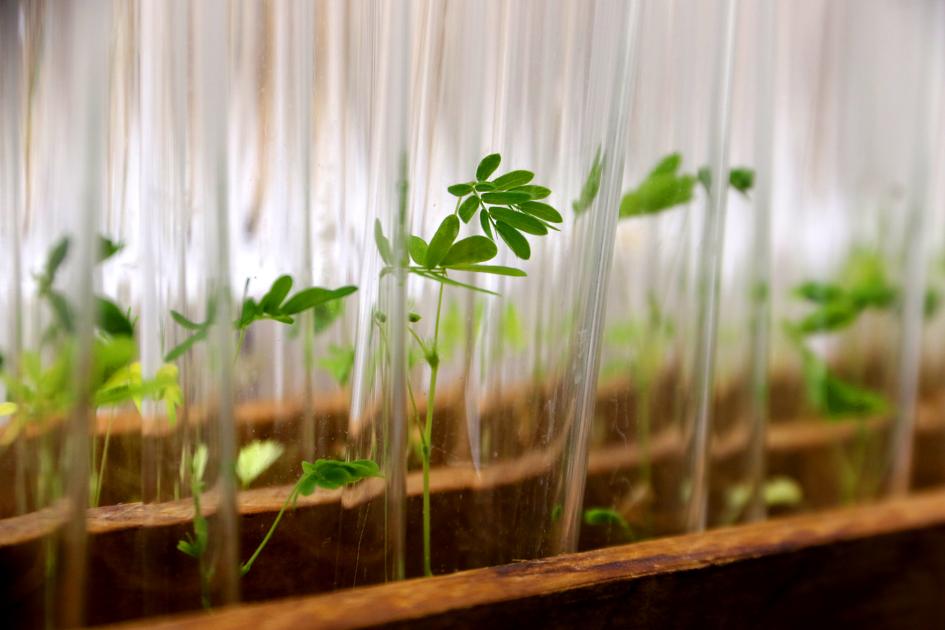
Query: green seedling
(41, 392)
(508, 207)
(861, 286)
(195, 544)
(777, 492)
(329, 474)
(256, 457)
(665, 187)
(609, 518)
(271, 306)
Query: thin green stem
(434, 361)
(101, 467)
(246, 566)
(239, 345)
(196, 487)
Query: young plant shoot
(41, 392)
(861, 286)
(508, 207)
(256, 457)
(665, 187)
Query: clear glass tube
(846, 290)
(649, 465)
(503, 436)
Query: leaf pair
(274, 305)
(195, 545)
(666, 187)
(607, 517)
(331, 474)
(200, 331)
(741, 179)
(863, 284)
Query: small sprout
(508, 206)
(413, 318)
(255, 458)
(608, 517)
(330, 474)
(783, 492)
(665, 187)
(272, 306)
(777, 492)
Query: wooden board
(878, 566)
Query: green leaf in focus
(487, 166)
(486, 224)
(513, 179)
(471, 250)
(383, 245)
(541, 210)
(506, 197)
(314, 296)
(442, 241)
(276, 294)
(460, 190)
(514, 240)
(331, 474)
(535, 192)
(520, 221)
(468, 208)
(418, 249)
